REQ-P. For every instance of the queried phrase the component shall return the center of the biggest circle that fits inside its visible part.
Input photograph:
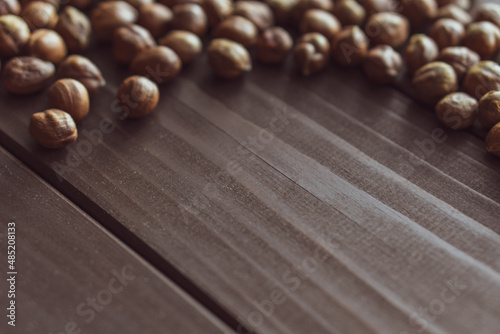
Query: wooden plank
(233, 188)
(73, 277)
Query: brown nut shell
(387, 28)
(460, 58)
(217, 10)
(481, 78)
(318, 20)
(47, 45)
(70, 96)
(311, 53)
(39, 15)
(447, 32)
(419, 12)
(488, 12)
(84, 70)
(434, 81)
(187, 45)
(129, 41)
(489, 109)
(228, 59)
(349, 46)
(26, 75)
(273, 45)
(14, 34)
(420, 50)
(493, 140)
(160, 63)
(137, 96)
(303, 6)
(382, 64)
(349, 12)
(190, 17)
(111, 15)
(258, 12)
(74, 27)
(457, 110)
(9, 7)
(483, 38)
(155, 18)
(454, 12)
(53, 128)
(238, 29)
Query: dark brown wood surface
(66, 263)
(288, 204)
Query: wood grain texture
(348, 199)
(65, 259)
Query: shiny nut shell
(26, 75)
(14, 34)
(238, 29)
(227, 58)
(53, 128)
(74, 27)
(433, 81)
(47, 45)
(160, 63)
(109, 16)
(481, 78)
(70, 96)
(493, 140)
(82, 69)
(137, 96)
(186, 44)
(129, 41)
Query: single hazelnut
(187, 45)
(217, 10)
(258, 12)
(382, 64)
(39, 14)
(433, 81)
(273, 45)
(238, 29)
(47, 45)
(419, 12)
(80, 4)
(227, 58)
(26, 75)
(420, 50)
(349, 46)
(156, 18)
(139, 3)
(484, 38)
(137, 96)
(9, 7)
(74, 27)
(318, 20)
(111, 15)
(53, 128)
(55, 3)
(488, 12)
(160, 63)
(378, 6)
(82, 69)
(464, 4)
(454, 12)
(447, 32)
(457, 110)
(311, 53)
(460, 58)
(387, 28)
(70, 96)
(303, 5)
(493, 140)
(481, 78)
(14, 34)
(190, 17)
(350, 12)
(129, 41)
(282, 10)
(489, 109)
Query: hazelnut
(282, 10)
(14, 34)
(217, 10)
(47, 45)
(55, 3)
(160, 63)
(489, 109)
(139, 3)
(74, 27)
(156, 18)
(387, 28)
(488, 12)
(382, 64)
(227, 58)
(71, 96)
(9, 7)
(80, 4)
(311, 53)
(349, 46)
(273, 45)
(190, 17)
(447, 32)
(420, 50)
(481, 78)
(258, 12)
(38, 14)
(460, 58)
(378, 6)
(493, 140)
(419, 12)
(318, 20)
(464, 4)
(454, 12)
(484, 38)
(433, 81)
(26, 75)
(303, 5)
(457, 110)
(238, 29)
(129, 41)
(82, 69)
(111, 15)
(350, 12)
(137, 96)
(187, 45)
(53, 128)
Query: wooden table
(268, 204)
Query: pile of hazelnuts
(449, 59)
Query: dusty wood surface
(73, 277)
